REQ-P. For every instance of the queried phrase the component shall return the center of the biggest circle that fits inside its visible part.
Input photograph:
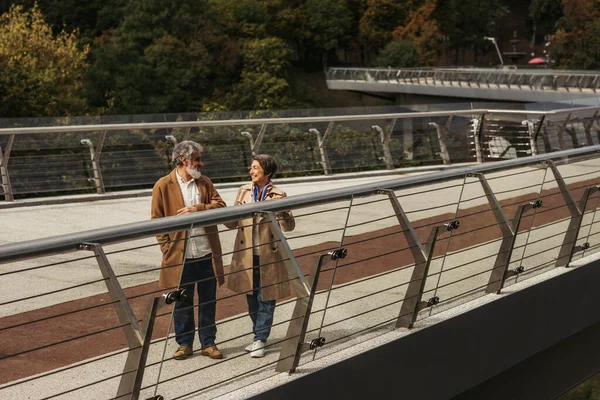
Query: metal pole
(95, 157)
(294, 346)
(587, 126)
(4, 157)
(441, 134)
(509, 236)
(412, 304)
(138, 338)
(577, 212)
(322, 143)
(385, 143)
(255, 144)
(477, 133)
(559, 133)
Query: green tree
(329, 25)
(166, 56)
(263, 83)
(465, 23)
(41, 74)
(544, 14)
(400, 53)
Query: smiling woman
(265, 279)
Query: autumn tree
(379, 20)
(577, 38)
(41, 74)
(424, 31)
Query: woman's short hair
(267, 163)
(185, 149)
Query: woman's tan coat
(166, 200)
(273, 275)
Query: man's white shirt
(197, 245)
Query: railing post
(560, 131)
(4, 157)
(441, 134)
(477, 133)
(95, 156)
(322, 143)
(509, 236)
(587, 126)
(577, 211)
(255, 144)
(305, 290)
(171, 139)
(412, 304)
(533, 129)
(138, 338)
(385, 143)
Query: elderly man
(185, 190)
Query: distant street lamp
(493, 40)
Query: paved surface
(317, 226)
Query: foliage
(162, 56)
(400, 53)
(465, 23)
(263, 83)
(41, 74)
(424, 31)
(329, 24)
(379, 20)
(166, 56)
(576, 41)
(545, 13)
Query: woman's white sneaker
(258, 349)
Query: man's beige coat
(273, 275)
(166, 200)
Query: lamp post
(493, 40)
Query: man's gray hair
(185, 149)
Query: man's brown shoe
(212, 352)
(183, 352)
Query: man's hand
(186, 210)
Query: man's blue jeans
(197, 272)
(261, 312)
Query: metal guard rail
(535, 79)
(71, 242)
(281, 121)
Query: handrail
(274, 121)
(115, 234)
(561, 72)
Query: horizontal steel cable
(45, 266)
(371, 221)
(212, 365)
(59, 315)
(3, 357)
(425, 191)
(491, 178)
(53, 292)
(375, 237)
(89, 384)
(228, 379)
(69, 367)
(465, 278)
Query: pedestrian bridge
(476, 281)
(523, 85)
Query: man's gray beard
(194, 173)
